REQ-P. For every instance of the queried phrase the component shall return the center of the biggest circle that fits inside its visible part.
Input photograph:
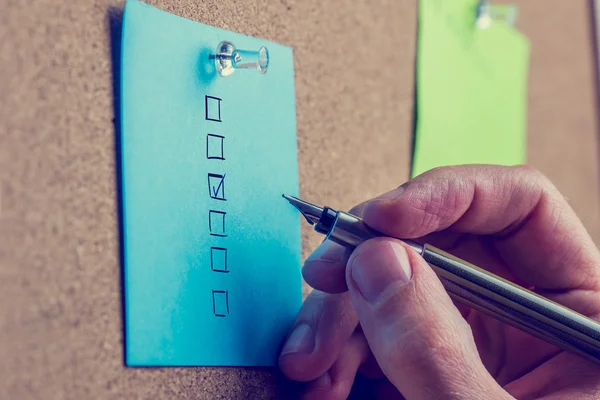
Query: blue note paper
(211, 250)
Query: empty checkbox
(214, 147)
(212, 107)
(216, 186)
(216, 223)
(218, 259)
(220, 303)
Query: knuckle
(425, 345)
(313, 306)
(529, 181)
(528, 169)
(335, 308)
(437, 201)
(421, 333)
(437, 350)
(532, 175)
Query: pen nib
(311, 212)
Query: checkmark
(216, 186)
(216, 191)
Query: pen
(474, 286)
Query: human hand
(381, 311)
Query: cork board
(60, 294)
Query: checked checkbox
(216, 186)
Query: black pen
(473, 286)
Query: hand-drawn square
(218, 259)
(214, 147)
(212, 107)
(220, 303)
(216, 186)
(216, 223)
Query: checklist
(205, 160)
(216, 191)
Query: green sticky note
(471, 89)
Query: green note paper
(471, 89)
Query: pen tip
(309, 211)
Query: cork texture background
(60, 295)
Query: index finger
(534, 229)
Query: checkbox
(218, 259)
(220, 303)
(212, 107)
(216, 223)
(214, 147)
(216, 186)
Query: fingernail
(327, 252)
(391, 195)
(378, 266)
(302, 340)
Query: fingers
(478, 199)
(336, 383)
(538, 234)
(562, 377)
(421, 342)
(325, 268)
(322, 328)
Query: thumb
(419, 338)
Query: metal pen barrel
(517, 306)
(484, 291)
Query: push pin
(228, 59)
(486, 13)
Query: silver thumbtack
(486, 13)
(228, 59)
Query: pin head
(228, 59)
(263, 59)
(483, 19)
(486, 14)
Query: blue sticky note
(211, 250)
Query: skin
(381, 311)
